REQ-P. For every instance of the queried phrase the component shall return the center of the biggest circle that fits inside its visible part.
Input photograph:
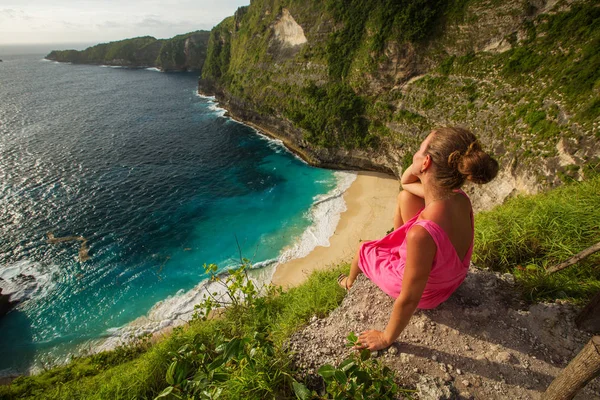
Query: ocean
(116, 187)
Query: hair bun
(478, 166)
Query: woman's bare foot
(344, 283)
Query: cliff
(180, 53)
(358, 85)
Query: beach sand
(370, 203)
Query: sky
(97, 21)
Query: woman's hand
(372, 340)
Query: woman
(426, 258)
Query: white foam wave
(173, 311)
(212, 98)
(325, 214)
(213, 106)
(276, 144)
(153, 69)
(25, 279)
(179, 308)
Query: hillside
(358, 84)
(180, 53)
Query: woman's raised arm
(411, 183)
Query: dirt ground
(482, 343)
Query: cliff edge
(471, 346)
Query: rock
(430, 388)
(504, 357)
(466, 382)
(392, 351)
(509, 278)
(5, 303)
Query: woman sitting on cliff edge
(426, 258)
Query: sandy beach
(370, 203)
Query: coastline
(370, 203)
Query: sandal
(343, 278)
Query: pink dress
(383, 262)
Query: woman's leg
(354, 269)
(346, 282)
(407, 207)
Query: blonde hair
(458, 156)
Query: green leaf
(216, 394)
(365, 354)
(220, 377)
(301, 391)
(165, 393)
(326, 371)
(352, 338)
(340, 376)
(221, 348)
(217, 362)
(362, 377)
(170, 377)
(347, 364)
(233, 348)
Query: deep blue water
(154, 178)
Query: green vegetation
(144, 51)
(137, 51)
(562, 49)
(528, 234)
(183, 52)
(399, 21)
(332, 115)
(357, 377)
(218, 53)
(251, 331)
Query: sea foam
(25, 279)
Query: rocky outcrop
(5, 303)
(482, 347)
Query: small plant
(239, 290)
(357, 377)
(200, 371)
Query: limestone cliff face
(183, 52)
(354, 87)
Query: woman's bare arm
(420, 253)
(411, 183)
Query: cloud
(153, 22)
(111, 25)
(72, 25)
(10, 13)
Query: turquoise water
(153, 177)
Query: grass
(524, 236)
(140, 373)
(528, 234)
